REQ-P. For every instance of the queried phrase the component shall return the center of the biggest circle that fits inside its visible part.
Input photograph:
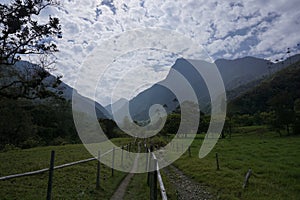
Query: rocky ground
(186, 188)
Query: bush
(9, 147)
(30, 143)
(59, 141)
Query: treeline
(25, 123)
(275, 102)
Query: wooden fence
(52, 167)
(154, 176)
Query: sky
(225, 29)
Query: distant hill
(25, 70)
(283, 85)
(36, 108)
(117, 105)
(238, 76)
(244, 70)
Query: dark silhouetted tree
(282, 104)
(297, 116)
(21, 33)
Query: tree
(22, 34)
(204, 123)
(297, 116)
(271, 119)
(228, 125)
(109, 127)
(15, 123)
(282, 104)
(172, 124)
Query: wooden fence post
(149, 173)
(113, 162)
(51, 169)
(247, 178)
(127, 147)
(153, 189)
(149, 177)
(98, 171)
(147, 158)
(155, 180)
(217, 161)
(122, 149)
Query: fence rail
(52, 168)
(56, 167)
(155, 176)
(161, 183)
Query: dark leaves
(21, 34)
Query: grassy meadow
(75, 182)
(274, 160)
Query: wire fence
(154, 176)
(52, 167)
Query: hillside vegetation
(274, 102)
(285, 83)
(25, 124)
(274, 160)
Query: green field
(75, 182)
(274, 160)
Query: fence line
(159, 178)
(161, 183)
(156, 176)
(56, 167)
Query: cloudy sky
(226, 29)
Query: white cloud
(225, 28)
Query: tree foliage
(26, 124)
(21, 33)
(275, 102)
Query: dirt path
(120, 192)
(186, 188)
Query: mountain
(235, 74)
(239, 72)
(36, 108)
(116, 105)
(158, 94)
(49, 84)
(280, 89)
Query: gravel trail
(186, 188)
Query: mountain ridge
(26, 70)
(235, 73)
(270, 91)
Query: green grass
(170, 190)
(75, 182)
(138, 188)
(275, 162)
